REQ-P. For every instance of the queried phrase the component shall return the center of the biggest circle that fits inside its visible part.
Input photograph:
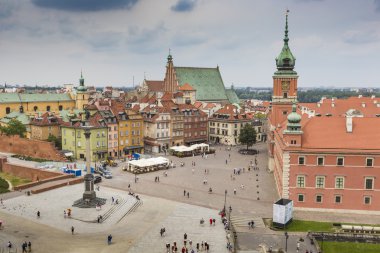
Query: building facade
(73, 138)
(226, 123)
(326, 159)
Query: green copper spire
(286, 61)
(81, 86)
(294, 121)
(170, 57)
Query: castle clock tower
(284, 86)
(284, 82)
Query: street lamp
(286, 241)
(225, 198)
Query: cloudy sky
(48, 42)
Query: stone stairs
(132, 209)
(242, 221)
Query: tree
(247, 135)
(57, 141)
(14, 127)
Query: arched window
(35, 108)
(48, 108)
(60, 107)
(7, 110)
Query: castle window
(369, 162)
(7, 110)
(48, 108)
(35, 108)
(301, 160)
(60, 107)
(285, 95)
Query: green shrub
(3, 186)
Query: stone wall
(33, 148)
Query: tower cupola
(81, 86)
(286, 61)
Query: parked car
(107, 175)
(97, 179)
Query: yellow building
(49, 102)
(130, 125)
(42, 126)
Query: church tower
(284, 83)
(82, 95)
(170, 81)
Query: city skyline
(49, 42)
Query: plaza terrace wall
(354, 172)
(37, 176)
(26, 147)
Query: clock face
(285, 85)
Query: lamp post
(225, 198)
(286, 241)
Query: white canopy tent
(201, 146)
(145, 165)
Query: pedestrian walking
(112, 199)
(234, 191)
(9, 245)
(109, 239)
(38, 214)
(129, 186)
(192, 170)
(226, 161)
(1, 201)
(210, 221)
(298, 246)
(24, 246)
(72, 230)
(184, 192)
(188, 195)
(64, 214)
(29, 246)
(185, 236)
(213, 221)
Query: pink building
(328, 158)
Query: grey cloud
(361, 37)
(377, 5)
(184, 5)
(146, 40)
(85, 5)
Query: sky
(49, 42)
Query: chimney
(360, 96)
(319, 104)
(332, 105)
(373, 96)
(349, 124)
(363, 104)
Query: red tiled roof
(365, 133)
(178, 94)
(167, 96)
(155, 86)
(338, 107)
(198, 104)
(209, 106)
(186, 87)
(46, 119)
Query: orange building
(328, 158)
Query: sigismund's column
(89, 192)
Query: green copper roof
(66, 114)
(22, 117)
(232, 97)
(24, 98)
(207, 81)
(294, 117)
(81, 86)
(286, 61)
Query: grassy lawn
(349, 247)
(15, 181)
(315, 226)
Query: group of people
(26, 247)
(187, 246)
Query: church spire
(286, 61)
(286, 38)
(81, 86)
